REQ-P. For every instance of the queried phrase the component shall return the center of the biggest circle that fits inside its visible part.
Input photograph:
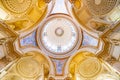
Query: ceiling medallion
(100, 7)
(17, 6)
(89, 67)
(27, 65)
(59, 35)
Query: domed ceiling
(59, 39)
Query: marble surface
(29, 40)
(89, 40)
(59, 65)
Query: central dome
(59, 34)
